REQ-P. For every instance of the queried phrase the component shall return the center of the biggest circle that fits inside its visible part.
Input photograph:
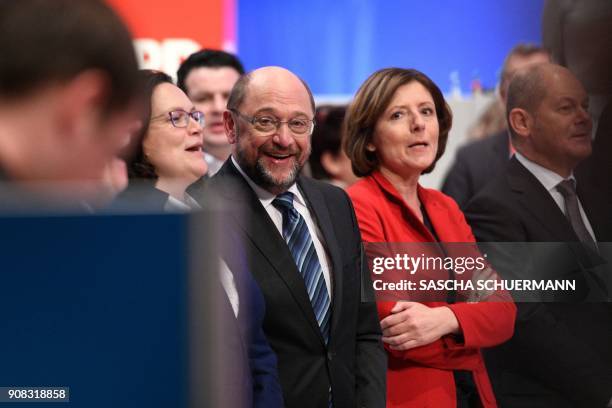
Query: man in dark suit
(560, 355)
(304, 247)
(480, 161)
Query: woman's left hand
(413, 324)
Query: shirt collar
(264, 195)
(548, 178)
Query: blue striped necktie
(299, 240)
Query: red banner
(166, 32)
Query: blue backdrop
(335, 45)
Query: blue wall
(335, 44)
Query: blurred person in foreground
(207, 77)
(560, 355)
(328, 162)
(478, 162)
(579, 34)
(67, 86)
(397, 128)
(169, 153)
(303, 245)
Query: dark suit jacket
(353, 364)
(560, 355)
(140, 194)
(475, 165)
(197, 190)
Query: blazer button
(330, 355)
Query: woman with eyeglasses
(168, 153)
(396, 130)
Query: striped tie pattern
(299, 240)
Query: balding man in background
(304, 247)
(478, 162)
(560, 355)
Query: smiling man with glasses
(303, 247)
(266, 124)
(270, 154)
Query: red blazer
(423, 377)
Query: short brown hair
(526, 91)
(370, 102)
(45, 42)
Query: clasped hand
(413, 324)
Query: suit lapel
(252, 218)
(534, 199)
(318, 207)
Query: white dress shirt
(549, 179)
(266, 198)
(229, 286)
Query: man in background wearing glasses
(303, 245)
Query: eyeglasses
(180, 118)
(267, 124)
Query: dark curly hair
(207, 58)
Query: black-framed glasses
(180, 118)
(268, 124)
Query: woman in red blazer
(396, 129)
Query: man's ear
(231, 128)
(82, 101)
(521, 122)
